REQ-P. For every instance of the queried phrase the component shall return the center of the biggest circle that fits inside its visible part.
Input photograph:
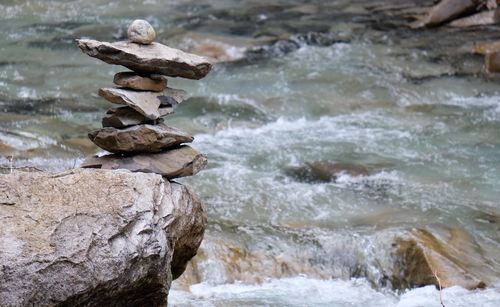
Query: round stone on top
(140, 31)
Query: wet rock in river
(479, 19)
(148, 59)
(216, 47)
(146, 103)
(139, 138)
(141, 32)
(422, 259)
(325, 171)
(492, 62)
(174, 163)
(94, 238)
(155, 83)
(486, 47)
(445, 11)
(6, 150)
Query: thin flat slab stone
(148, 59)
(141, 138)
(180, 162)
(155, 83)
(146, 103)
(123, 117)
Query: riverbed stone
(88, 237)
(123, 117)
(420, 259)
(148, 59)
(155, 83)
(141, 32)
(140, 138)
(145, 102)
(174, 163)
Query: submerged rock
(180, 162)
(148, 59)
(218, 48)
(6, 150)
(324, 171)
(146, 103)
(422, 259)
(126, 116)
(141, 32)
(140, 138)
(486, 47)
(94, 237)
(128, 79)
(492, 62)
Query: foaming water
(303, 291)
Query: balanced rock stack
(134, 132)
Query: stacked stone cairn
(135, 132)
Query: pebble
(140, 31)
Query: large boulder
(94, 237)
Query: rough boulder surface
(148, 59)
(94, 237)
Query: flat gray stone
(180, 162)
(141, 138)
(148, 59)
(123, 117)
(155, 83)
(150, 104)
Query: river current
(339, 85)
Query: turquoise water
(418, 114)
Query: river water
(412, 107)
